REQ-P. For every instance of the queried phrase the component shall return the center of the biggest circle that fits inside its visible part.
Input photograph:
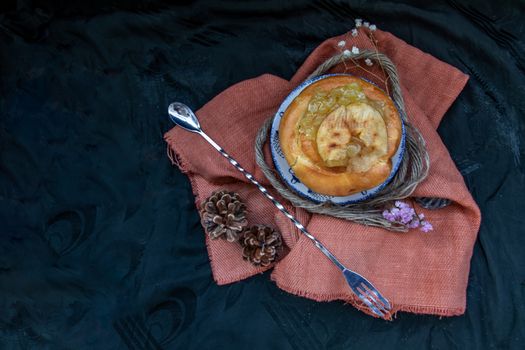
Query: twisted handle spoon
(183, 116)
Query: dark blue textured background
(100, 242)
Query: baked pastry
(339, 135)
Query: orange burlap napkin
(418, 272)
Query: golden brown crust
(302, 153)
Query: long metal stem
(274, 201)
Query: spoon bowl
(184, 117)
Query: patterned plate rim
(338, 200)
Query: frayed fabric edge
(177, 159)
(355, 302)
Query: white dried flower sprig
(348, 53)
(359, 23)
(355, 32)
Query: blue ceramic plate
(294, 183)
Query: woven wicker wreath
(412, 170)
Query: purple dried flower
(426, 226)
(400, 204)
(413, 224)
(406, 215)
(402, 213)
(389, 216)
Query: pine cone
(223, 215)
(260, 245)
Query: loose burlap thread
(412, 170)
